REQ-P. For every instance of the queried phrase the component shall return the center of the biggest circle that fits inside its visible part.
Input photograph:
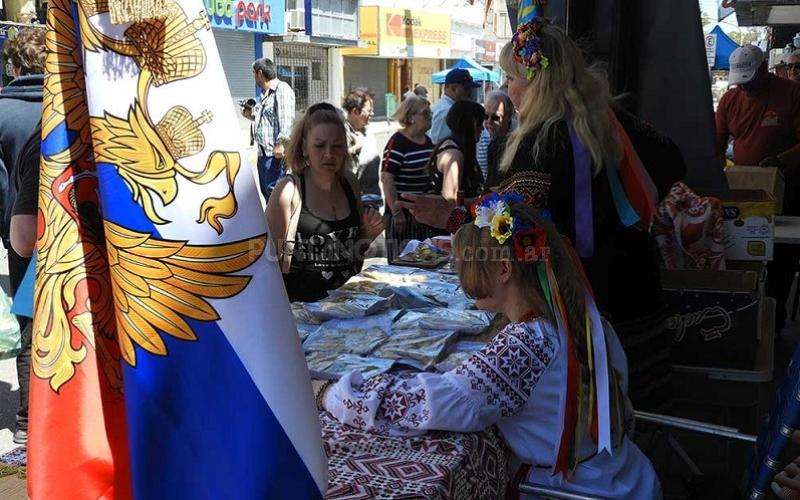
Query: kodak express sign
(402, 33)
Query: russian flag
(166, 361)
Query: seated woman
(315, 216)
(533, 380)
(454, 169)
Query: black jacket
(20, 112)
(624, 270)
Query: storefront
(239, 27)
(402, 48)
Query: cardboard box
(748, 222)
(768, 179)
(715, 316)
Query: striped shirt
(482, 152)
(406, 161)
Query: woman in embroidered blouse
(520, 381)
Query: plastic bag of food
(301, 315)
(368, 366)
(423, 346)
(304, 330)
(350, 336)
(392, 275)
(468, 321)
(347, 306)
(410, 297)
(358, 285)
(457, 353)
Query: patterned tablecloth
(437, 465)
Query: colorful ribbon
(584, 219)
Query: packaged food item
(420, 345)
(392, 275)
(422, 254)
(304, 330)
(318, 361)
(467, 321)
(301, 315)
(457, 353)
(360, 286)
(350, 336)
(410, 297)
(347, 306)
(368, 366)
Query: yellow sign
(368, 33)
(402, 33)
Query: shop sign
(368, 33)
(711, 49)
(408, 33)
(258, 16)
(485, 51)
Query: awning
(478, 72)
(725, 47)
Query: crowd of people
(542, 158)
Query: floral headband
(494, 211)
(527, 43)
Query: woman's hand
(432, 210)
(372, 223)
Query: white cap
(745, 62)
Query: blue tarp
(725, 47)
(478, 72)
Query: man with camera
(272, 119)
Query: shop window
(316, 70)
(305, 68)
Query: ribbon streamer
(584, 225)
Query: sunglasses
(494, 118)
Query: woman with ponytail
(553, 380)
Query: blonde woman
(404, 171)
(527, 380)
(571, 155)
(315, 216)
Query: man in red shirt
(762, 114)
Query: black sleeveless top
(470, 178)
(325, 254)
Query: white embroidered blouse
(514, 382)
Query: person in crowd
(315, 217)
(20, 112)
(793, 66)
(454, 170)
(364, 159)
(458, 86)
(499, 113)
(421, 91)
(566, 128)
(272, 119)
(762, 116)
(404, 172)
(517, 380)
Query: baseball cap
(745, 62)
(462, 76)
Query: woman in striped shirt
(404, 171)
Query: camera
(247, 103)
